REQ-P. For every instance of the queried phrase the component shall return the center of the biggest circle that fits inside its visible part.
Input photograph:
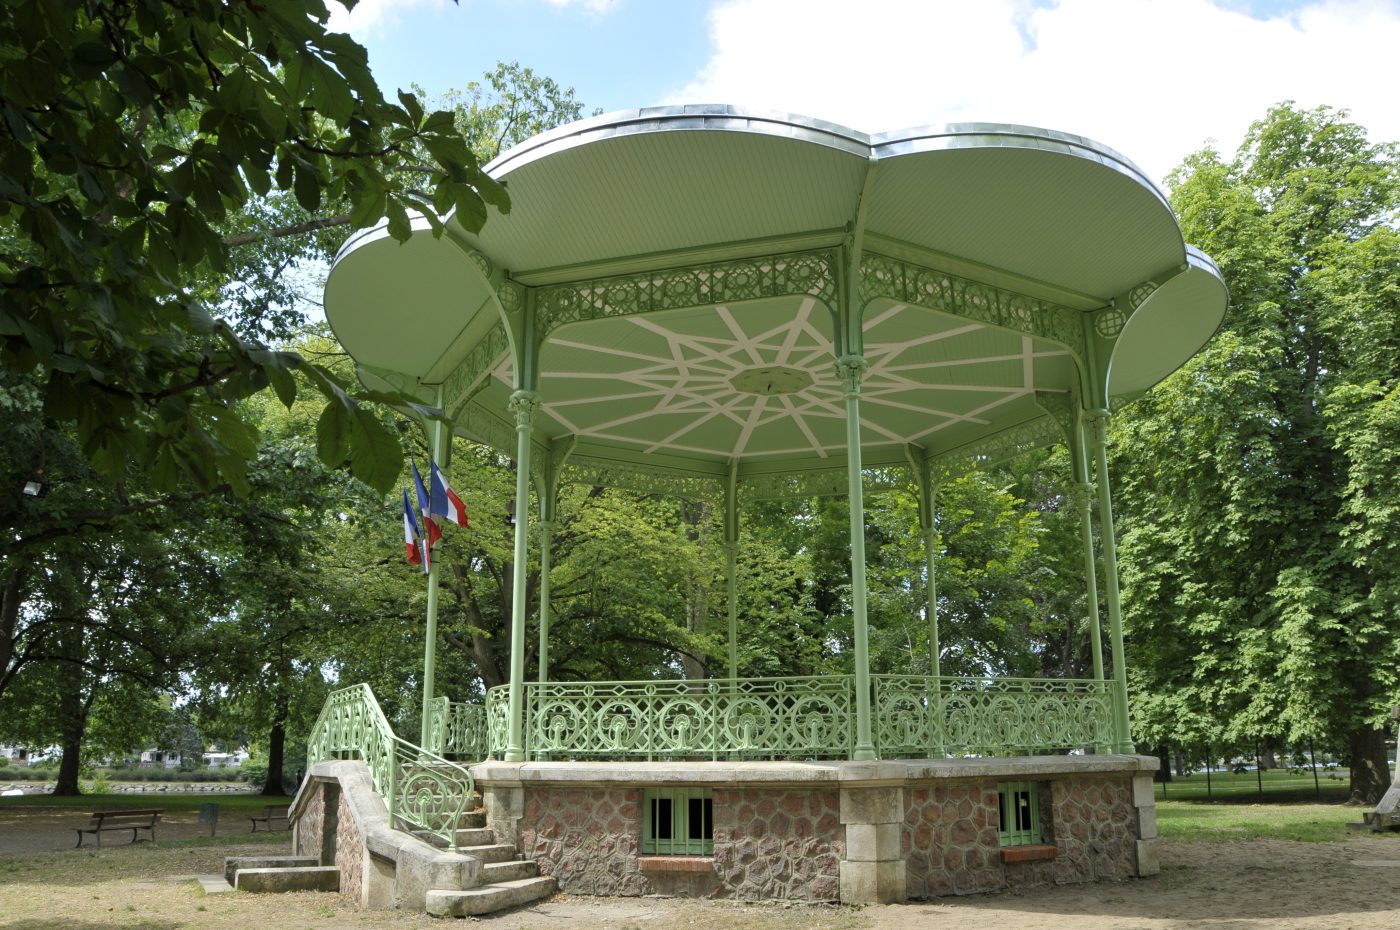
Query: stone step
(299, 878)
(232, 864)
(493, 852)
(495, 872)
(475, 836)
(474, 820)
(489, 898)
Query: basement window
(678, 822)
(1020, 813)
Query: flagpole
(441, 448)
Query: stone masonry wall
(769, 843)
(311, 823)
(349, 850)
(950, 841)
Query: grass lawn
(1280, 786)
(229, 803)
(1197, 822)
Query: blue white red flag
(411, 542)
(445, 502)
(425, 508)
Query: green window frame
(678, 822)
(1018, 806)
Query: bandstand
(710, 303)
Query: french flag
(445, 502)
(412, 545)
(426, 509)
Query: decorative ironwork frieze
(799, 274)
(473, 370)
(1062, 409)
(894, 279)
(606, 473)
(1006, 444)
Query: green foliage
(131, 133)
(1257, 483)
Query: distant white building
(226, 760)
(15, 755)
(160, 758)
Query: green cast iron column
(440, 441)
(1098, 422)
(546, 544)
(850, 369)
(1083, 491)
(731, 564)
(523, 404)
(934, 648)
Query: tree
(129, 130)
(1257, 485)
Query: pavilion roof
(684, 272)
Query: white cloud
(1152, 78)
(370, 16)
(597, 7)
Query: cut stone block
(873, 842)
(1147, 823)
(872, 805)
(301, 878)
(213, 884)
(496, 852)
(233, 863)
(494, 872)
(1147, 861)
(488, 899)
(873, 882)
(1144, 793)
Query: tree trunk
(1164, 763)
(1180, 759)
(73, 722)
(11, 594)
(276, 743)
(1370, 766)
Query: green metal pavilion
(704, 301)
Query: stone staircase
(506, 880)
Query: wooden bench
(270, 813)
(120, 820)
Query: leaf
(333, 434)
(376, 457)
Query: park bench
(120, 820)
(270, 813)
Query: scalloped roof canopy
(677, 283)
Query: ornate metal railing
(457, 731)
(706, 719)
(806, 718)
(919, 716)
(421, 789)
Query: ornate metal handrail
(709, 718)
(919, 715)
(420, 788)
(457, 730)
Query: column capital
(850, 368)
(523, 404)
(1097, 419)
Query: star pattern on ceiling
(678, 370)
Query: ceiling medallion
(770, 380)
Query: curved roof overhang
(669, 257)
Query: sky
(1154, 79)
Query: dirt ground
(1236, 885)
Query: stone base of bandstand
(855, 832)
